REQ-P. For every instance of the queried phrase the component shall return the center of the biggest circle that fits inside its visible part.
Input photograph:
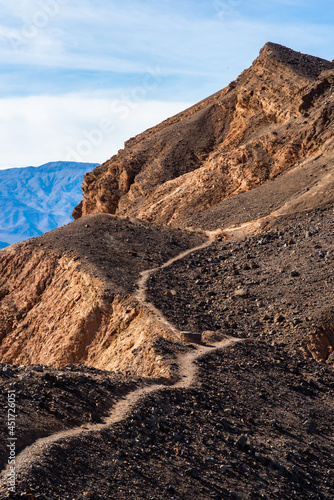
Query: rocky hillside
(166, 362)
(278, 112)
(34, 200)
(68, 296)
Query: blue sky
(79, 77)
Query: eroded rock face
(68, 296)
(274, 115)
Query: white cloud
(51, 44)
(36, 130)
(126, 36)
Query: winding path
(187, 376)
(145, 275)
(187, 368)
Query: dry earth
(68, 296)
(258, 424)
(275, 285)
(92, 314)
(277, 113)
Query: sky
(80, 77)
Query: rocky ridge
(275, 114)
(99, 307)
(68, 296)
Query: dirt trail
(145, 275)
(187, 369)
(187, 376)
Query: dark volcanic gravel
(48, 400)
(276, 285)
(258, 425)
(116, 249)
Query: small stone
(176, 437)
(295, 274)
(279, 318)
(7, 371)
(275, 425)
(297, 470)
(245, 469)
(241, 292)
(191, 337)
(193, 473)
(310, 426)
(242, 441)
(274, 464)
(263, 460)
(38, 368)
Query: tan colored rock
(321, 341)
(69, 296)
(277, 113)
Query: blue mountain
(34, 200)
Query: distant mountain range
(34, 200)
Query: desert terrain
(176, 340)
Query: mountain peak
(304, 65)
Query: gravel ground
(258, 422)
(48, 400)
(257, 425)
(276, 286)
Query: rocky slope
(93, 315)
(258, 424)
(276, 284)
(34, 200)
(279, 112)
(68, 296)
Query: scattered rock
(194, 473)
(295, 274)
(241, 442)
(310, 426)
(278, 318)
